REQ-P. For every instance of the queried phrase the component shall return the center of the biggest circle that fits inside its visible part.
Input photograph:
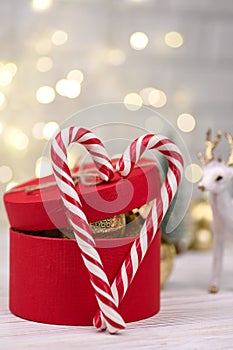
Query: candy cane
(77, 218)
(142, 243)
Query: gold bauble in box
(167, 258)
(110, 227)
(127, 224)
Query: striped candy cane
(142, 243)
(112, 319)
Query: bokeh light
(76, 74)
(50, 129)
(37, 130)
(43, 167)
(43, 46)
(1, 128)
(68, 88)
(2, 101)
(44, 64)
(16, 138)
(174, 39)
(11, 67)
(144, 93)
(59, 37)
(41, 5)
(139, 40)
(5, 77)
(186, 122)
(193, 173)
(157, 98)
(5, 173)
(115, 56)
(21, 141)
(45, 94)
(133, 101)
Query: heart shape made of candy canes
(108, 297)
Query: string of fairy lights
(70, 86)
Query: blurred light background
(60, 56)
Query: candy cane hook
(168, 190)
(112, 319)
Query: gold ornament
(167, 257)
(128, 224)
(202, 217)
(110, 227)
(203, 239)
(201, 212)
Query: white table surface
(190, 318)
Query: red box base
(49, 282)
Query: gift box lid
(36, 204)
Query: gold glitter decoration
(102, 228)
(128, 224)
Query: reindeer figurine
(216, 179)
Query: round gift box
(48, 280)
(30, 208)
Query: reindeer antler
(210, 146)
(230, 140)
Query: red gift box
(48, 280)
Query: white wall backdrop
(41, 41)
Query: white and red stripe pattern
(99, 280)
(168, 190)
